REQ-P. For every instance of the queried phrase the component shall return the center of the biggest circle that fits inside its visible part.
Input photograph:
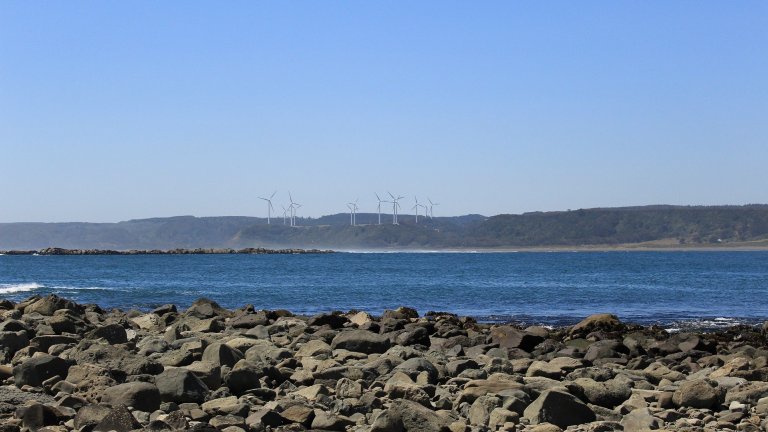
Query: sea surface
(672, 289)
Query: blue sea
(673, 289)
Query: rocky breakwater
(69, 367)
(197, 251)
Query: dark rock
(119, 419)
(299, 413)
(249, 321)
(204, 308)
(90, 415)
(361, 341)
(405, 416)
(401, 313)
(246, 376)
(334, 321)
(139, 395)
(604, 322)
(417, 336)
(413, 367)
(511, 337)
(36, 370)
(11, 342)
(605, 349)
(559, 408)
(221, 355)
(180, 385)
(49, 304)
(112, 333)
(37, 415)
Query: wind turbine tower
(379, 207)
(353, 212)
(416, 206)
(431, 204)
(269, 205)
(395, 205)
(293, 206)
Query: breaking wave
(22, 287)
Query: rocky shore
(69, 367)
(198, 251)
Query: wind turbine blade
(390, 194)
(273, 195)
(377, 197)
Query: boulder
(112, 333)
(180, 386)
(361, 341)
(639, 419)
(559, 408)
(119, 419)
(90, 415)
(417, 365)
(204, 308)
(49, 304)
(511, 337)
(698, 393)
(406, 416)
(221, 355)
(604, 322)
(34, 371)
(139, 395)
(609, 394)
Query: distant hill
(669, 225)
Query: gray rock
(119, 419)
(222, 355)
(480, 411)
(698, 394)
(36, 370)
(346, 388)
(559, 408)
(749, 392)
(607, 394)
(361, 341)
(49, 304)
(413, 367)
(204, 308)
(511, 337)
(638, 420)
(139, 395)
(180, 385)
(112, 333)
(405, 416)
(90, 415)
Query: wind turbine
(269, 205)
(379, 207)
(285, 211)
(293, 207)
(416, 206)
(431, 204)
(353, 211)
(395, 205)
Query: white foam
(15, 288)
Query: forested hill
(667, 225)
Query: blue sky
(118, 110)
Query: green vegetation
(665, 225)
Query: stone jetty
(197, 251)
(71, 367)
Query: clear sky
(118, 110)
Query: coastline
(70, 366)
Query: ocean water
(674, 289)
